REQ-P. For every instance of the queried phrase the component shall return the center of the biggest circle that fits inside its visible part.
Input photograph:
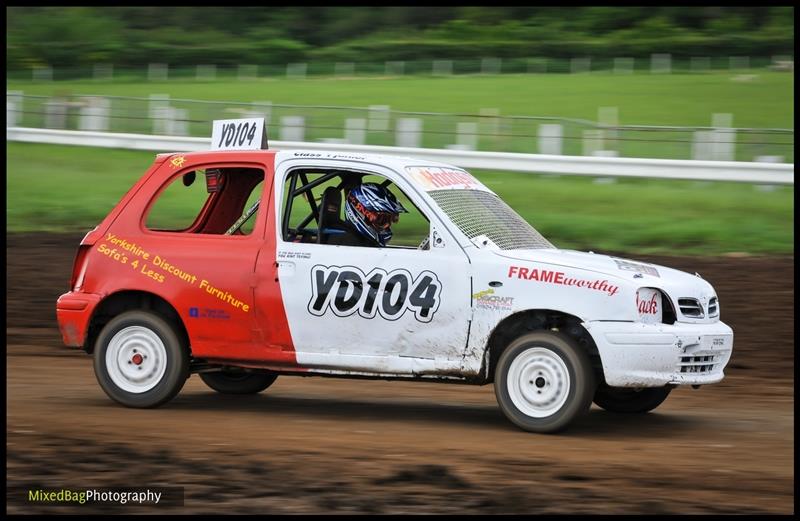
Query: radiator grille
(698, 363)
(713, 309)
(691, 308)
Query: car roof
(282, 154)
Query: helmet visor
(378, 220)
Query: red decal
(559, 277)
(647, 307)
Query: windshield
(478, 212)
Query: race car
(243, 263)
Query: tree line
(136, 36)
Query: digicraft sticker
(345, 290)
(486, 299)
(559, 277)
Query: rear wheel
(543, 381)
(139, 359)
(238, 382)
(628, 400)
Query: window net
(477, 213)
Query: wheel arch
(127, 300)
(531, 320)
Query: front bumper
(74, 310)
(654, 355)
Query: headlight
(649, 305)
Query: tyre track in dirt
(320, 445)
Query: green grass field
(766, 100)
(73, 188)
(763, 99)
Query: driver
(370, 210)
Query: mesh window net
(477, 213)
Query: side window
(314, 210)
(218, 201)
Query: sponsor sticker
(648, 303)
(439, 178)
(561, 278)
(212, 313)
(486, 299)
(177, 162)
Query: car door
(389, 310)
(182, 250)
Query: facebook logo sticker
(193, 312)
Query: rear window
(217, 201)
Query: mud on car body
(220, 263)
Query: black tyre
(632, 401)
(238, 382)
(139, 359)
(543, 381)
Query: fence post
(700, 63)
(660, 63)
(550, 139)
(442, 67)
(378, 118)
(293, 128)
(103, 71)
(260, 110)
(491, 65)
(206, 72)
(157, 72)
(609, 117)
(701, 145)
(247, 72)
(738, 62)
(157, 113)
(344, 69)
(355, 130)
(592, 141)
(43, 73)
(296, 71)
(55, 110)
(14, 105)
(94, 114)
(409, 132)
(578, 65)
(395, 68)
(467, 135)
(623, 65)
(723, 138)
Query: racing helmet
(372, 209)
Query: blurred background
(706, 83)
(704, 96)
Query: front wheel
(139, 359)
(543, 381)
(631, 401)
(238, 382)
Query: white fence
(755, 172)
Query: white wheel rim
(538, 382)
(136, 359)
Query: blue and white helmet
(372, 209)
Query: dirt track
(338, 446)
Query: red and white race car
(228, 263)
